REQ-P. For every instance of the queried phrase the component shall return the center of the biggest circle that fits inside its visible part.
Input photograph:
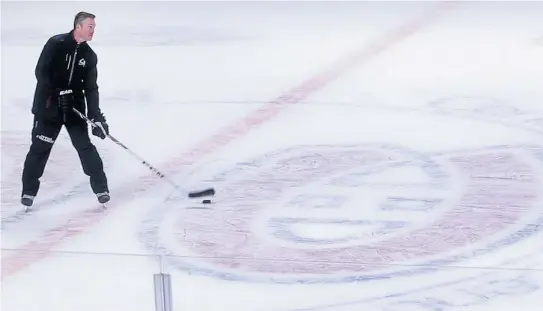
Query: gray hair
(81, 16)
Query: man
(66, 78)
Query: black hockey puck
(206, 201)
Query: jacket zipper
(73, 65)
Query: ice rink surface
(376, 156)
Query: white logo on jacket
(45, 139)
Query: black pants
(44, 134)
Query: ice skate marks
(55, 187)
(319, 231)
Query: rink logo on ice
(313, 214)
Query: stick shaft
(158, 173)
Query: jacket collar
(71, 37)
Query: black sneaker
(103, 197)
(27, 200)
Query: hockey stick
(191, 194)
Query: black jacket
(66, 64)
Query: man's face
(86, 29)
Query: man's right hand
(66, 100)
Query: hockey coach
(66, 76)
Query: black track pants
(44, 135)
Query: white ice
(407, 143)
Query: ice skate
(103, 198)
(27, 200)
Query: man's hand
(66, 100)
(101, 129)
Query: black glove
(101, 129)
(66, 100)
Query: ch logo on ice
(357, 213)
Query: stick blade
(202, 193)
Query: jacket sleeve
(91, 92)
(43, 66)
